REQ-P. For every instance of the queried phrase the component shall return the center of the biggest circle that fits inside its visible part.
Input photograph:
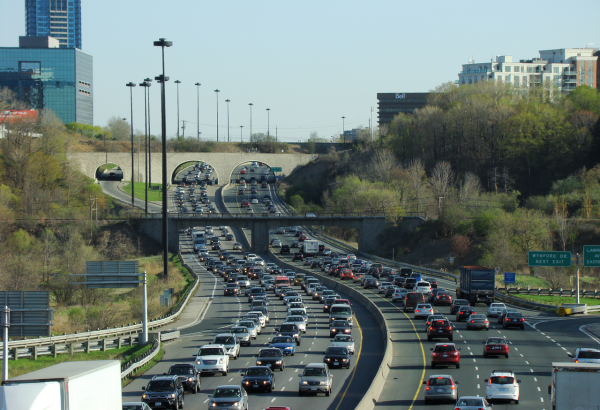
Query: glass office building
(56, 18)
(60, 79)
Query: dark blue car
(286, 344)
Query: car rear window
(439, 381)
(514, 315)
(588, 355)
(439, 323)
(445, 348)
(502, 380)
(497, 341)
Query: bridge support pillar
(260, 236)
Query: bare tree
(417, 179)
(564, 226)
(470, 187)
(382, 164)
(441, 181)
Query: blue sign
(509, 277)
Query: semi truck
(85, 385)
(311, 248)
(574, 386)
(476, 284)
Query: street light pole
(268, 120)
(177, 82)
(250, 121)
(344, 131)
(227, 101)
(163, 79)
(241, 133)
(217, 94)
(148, 81)
(131, 85)
(145, 85)
(198, 111)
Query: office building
(47, 77)
(391, 104)
(567, 68)
(60, 19)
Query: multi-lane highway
(545, 339)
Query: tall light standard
(241, 133)
(344, 131)
(198, 111)
(162, 79)
(131, 85)
(177, 82)
(145, 85)
(227, 101)
(148, 81)
(250, 121)
(268, 120)
(217, 94)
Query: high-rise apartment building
(60, 19)
(567, 68)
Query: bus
(282, 281)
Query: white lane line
(478, 376)
(521, 354)
(465, 341)
(247, 363)
(539, 389)
(558, 344)
(473, 360)
(526, 362)
(535, 379)
(468, 347)
(230, 380)
(205, 401)
(543, 333)
(273, 399)
(516, 348)
(476, 368)
(478, 386)
(290, 379)
(563, 348)
(297, 370)
(283, 388)
(542, 399)
(531, 370)
(553, 341)
(302, 362)
(471, 353)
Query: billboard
(18, 116)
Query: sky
(310, 62)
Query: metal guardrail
(377, 215)
(129, 368)
(99, 334)
(550, 292)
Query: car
(440, 387)
(495, 308)
(370, 283)
(257, 378)
(135, 405)
(423, 310)
(286, 344)
(433, 282)
(230, 397)
(431, 318)
(231, 289)
(271, 357)
(284, 249)
(457, 304)
(188, 375)
(298, 256)
(164, 392)
(290, 329)
(230, 342)
(464, 312)
(423, 287)
(337, 327)
(503, 312)
(390, 291)
(502, 385)
(237, 246)
(243, 335)
(383, 286)
(357, 277)
(251, 325)
(229, 237)
(472, 403)
(412, 299)
(440, 328)
(585, 355)
(514, 319)
(410, 283)
(399, 294)
(298, 321)
(212, 358)
(337, 356)
(445, 354)
(315, 378)
(344, 341)
(294, 244)
(346, 273)
(478, 321)
(495, 346)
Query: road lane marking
(355, 364)
(283, 388)
(539, 389)
(230, 380)
(205, 401)
(273, 399)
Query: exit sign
(591, 256)
(549, 258)
(275, 169)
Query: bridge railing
(243, 215)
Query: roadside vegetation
(495, 170)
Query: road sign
(497, 269)
(591, 256)
(30, 314)
(111, 274)
(276, 169)
(549, 258)
(510, 277)
(451, 260)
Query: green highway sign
(275, 169)
(549, 258)
(591, 256)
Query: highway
(546, 338)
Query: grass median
(140, 191)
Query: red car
(346, 274)
(302, 238)
(442, 298)
(242, 171)
(495, 346)
(245, 203)
(298, 233)
(440, 328)
(341, 302)
(445, 354)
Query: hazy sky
(310, 62)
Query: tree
(119, 129)
(417, 179)
(381, 165)
(441, 181)
(585, 98)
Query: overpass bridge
(223, 164)
(369, 225)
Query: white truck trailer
(87, 385)
(311, 247)
(575, 386)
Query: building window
(517, 69)
(507, 69)
(517, 80)
(555, 69)
(530, 69)
(30, 67)
(499, 78)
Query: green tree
(585, 98)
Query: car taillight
(507, 319)
(485, 321)
(431, 328)
(522, 319)
(576, 360)
(472, 321)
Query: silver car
(316, 378)
(252, 329)
(230, 397)
(298, 321)
(440, 387)
(399, 295)
(243, 334)
(343, 341)
(472, 403)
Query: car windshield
(470, 402)
(181, 370)
(439, 381)
(588, 355)
(239, 330)
(314, 371)
(497, 305)
(281, 339)
(342, 338)
(247, 324)
(270, 353)
(461, 302)
(423, 306)
(224, 340)
(341, 311)
(502, 380)
(445, 348)
(210, 351)
(132, 407)
(227, 392)
(294, 319)
(336, 350)
(257, 371)
(157, 385)
(340, 323)
(496, 341)
(288, 328)
(439, 323)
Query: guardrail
(106, 333)
(130, 367)
(377, 215)
(551, 292)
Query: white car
(243, 282)
(254, 201)
(502, 385)
(423, 287)
(423, 310)
(230, 342)
(495, 308)
(298, 321)
(259, 262)
(351, 257)
(212, 358)
(296, 305)
(254, 164)
(252, 329)
(261, 317)
(343, 341)
(276, 243)
(311, 288)
(585, 355)
(383, 286)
